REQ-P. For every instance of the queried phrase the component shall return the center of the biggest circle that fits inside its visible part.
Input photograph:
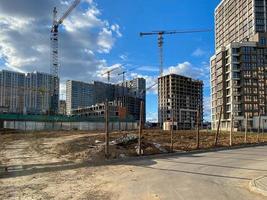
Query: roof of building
(182, 76)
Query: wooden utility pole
(246, 128)
(262, 128)
(140, 127)
(231, 130)
(172, 130)
(107, 129)
(218, 128)
(198, 115)
(120, 119)
(259, 128)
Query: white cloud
(187, 69)
(152, 117)
(199, 52)
(207, 108)
(124, 57)
(25, 37)
(105, 41)
(116, 29)
(102, 75)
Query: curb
(177, 153)
(254, 188)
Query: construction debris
(125, 140)
(160, 148)
(97, 141)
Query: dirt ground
(67, 165)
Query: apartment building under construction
(180, 99)
(81, 96)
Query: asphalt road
(212, 175)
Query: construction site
(97, 143)
(72, 161)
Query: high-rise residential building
(26, 93)
(12, 87)
(180, 98)
(39, 91)
(136, 87)
(133, 92)
(78, 95)
(81, 95)
(103, 92)
(238, 20)
(239, 66)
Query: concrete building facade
(78, 95)
(180, 98)
(62, 107)
(26, 93)
(39, 98)
(238, 68)
(238, 20)
(12, 86)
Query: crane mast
(54, 45)
(54, 65)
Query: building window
(263, 41)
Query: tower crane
(160, 41)
(124, 72)
(111, 70)
(54, 50)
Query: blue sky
(136, 16)
(102, 34)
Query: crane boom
(66, 14)
(160, 40)
(149, 88)
(174, 32)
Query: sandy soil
(71, 165)
(36, 170)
